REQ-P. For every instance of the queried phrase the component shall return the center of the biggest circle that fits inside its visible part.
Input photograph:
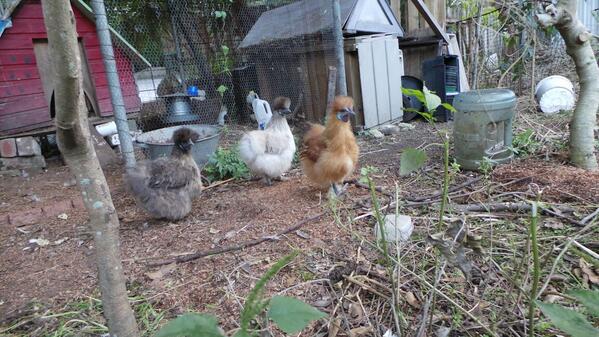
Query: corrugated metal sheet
(381, 68)
(587, 13)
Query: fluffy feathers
(268, 153)
(165, 187)
(330, 153)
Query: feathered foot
(267, 181)
(281, 178)
(335, 191)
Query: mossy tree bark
(74, 142)
(578, 46)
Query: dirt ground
(233, 213)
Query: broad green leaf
(411, 160)
(225, 49)
(449, 107)
(221, 89)
(569, 321)
(292, 315)
(220, 14)
(589, 298)
(419, 95)
(431, 100)
(191, 325)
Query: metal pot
(159, 142)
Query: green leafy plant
(525, 143)
(414, 159)
(225, 164)
(572, 322)
(289, 314)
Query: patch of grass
(81, 317)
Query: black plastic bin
(442, 75)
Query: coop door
(381, 68)
(47, 75)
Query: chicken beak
(351, 111)
(286, 111)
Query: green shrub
(225, 164)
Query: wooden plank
(19, 88)
(23, 119)
(431, 20)
(395, 72)
(454, 49)
(367, 82)
(18, 73)
(381, 80)
(352, 69)
(17, 57)
(396, 8)
(16, 104)
(413, 18)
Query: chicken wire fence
(203, 62)
(500, 51)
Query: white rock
(376, 133)
(406, 126)
(397, 228)
(389, 129)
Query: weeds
(82, 317)
(290, 315)
(225, 164)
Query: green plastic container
(483, 127)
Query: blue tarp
(5, 24)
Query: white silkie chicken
(268, 153)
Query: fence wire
(509, 52)
(196, 62)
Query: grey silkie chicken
(165, 187)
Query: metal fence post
(116, 96)
(339, 51)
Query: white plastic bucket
(555, 93)
(106, 129)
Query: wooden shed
(26, 73)
(291, 47)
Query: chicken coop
(374, 63)
(27, 77)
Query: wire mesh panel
(197, 61)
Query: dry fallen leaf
(163, 271)
(40, 242)
(588, 272)
(412, 300)
(553, 224)
(334, 327)
(63, 216)
(361, 331)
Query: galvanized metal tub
(159, 142)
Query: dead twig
(452, 189)
(511, 207)
(198, 255)
(589, 217)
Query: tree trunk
(578, 46)
(74, 142)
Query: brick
(8, 148)
(28, 146)
(57, 208)
(24, 218)
(23, 163)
